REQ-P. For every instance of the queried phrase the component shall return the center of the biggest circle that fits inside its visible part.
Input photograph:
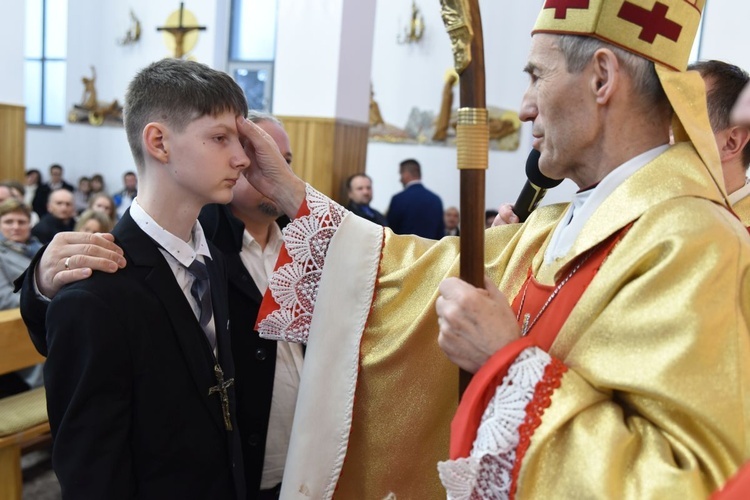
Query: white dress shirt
(179, 254)
(260, 265)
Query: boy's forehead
(222, 121)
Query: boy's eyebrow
(223, 128)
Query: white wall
(11, 56)
(725, 32)
(406, 76)
(307, 50)
(93, 31)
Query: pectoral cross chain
(221, 388)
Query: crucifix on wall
(183, 28)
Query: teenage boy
(139, 367)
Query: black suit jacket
(39, 203)
(417, 210)
(255, 358)
(49, 225)
(128, 374)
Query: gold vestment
(656, 399)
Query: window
(252, 49)
(45, 52)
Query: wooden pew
(23, 417)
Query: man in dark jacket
(359, 189)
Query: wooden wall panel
(326, 151)
(12, 142)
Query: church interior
(359, 85)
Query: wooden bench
(23, 417)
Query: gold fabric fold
(742, 209)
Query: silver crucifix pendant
(221, 389)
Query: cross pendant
(221, 389)
(525, 327)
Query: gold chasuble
(644, 393)
(742, 208)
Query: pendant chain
(526, 325)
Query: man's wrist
(37, 289)
(291, 198)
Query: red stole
(542, 334)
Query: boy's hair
(176, 92)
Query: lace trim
(486, 473)
(294, 286)
(542, 399)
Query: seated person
(94, 221)
(59, 216)
(17, 247)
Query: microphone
(535, 188)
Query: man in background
(451, 220)
(724, 84)
(59, 216)
(56, 180)
(416, 209)
(124, 198)
(359, 190)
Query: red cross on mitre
(561, 6)
(654, 22)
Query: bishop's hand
(269, 172)
(474, 322)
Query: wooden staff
(464, 25)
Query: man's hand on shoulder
(73, 256)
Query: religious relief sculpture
(457, 22)
(91, 110)
(179, 37)
(375, 117)
(134, 33)
(446, 104)
(423, 127)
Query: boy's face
(206, 159)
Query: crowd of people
(91, 194)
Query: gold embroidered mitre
(661, 31)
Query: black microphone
(534, 189)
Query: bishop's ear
(605, 74)
(154, 142)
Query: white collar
(584, 204)
(740, 194)
(182, 251)
(275, 238)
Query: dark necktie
(201, 292)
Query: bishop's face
(561, 108)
